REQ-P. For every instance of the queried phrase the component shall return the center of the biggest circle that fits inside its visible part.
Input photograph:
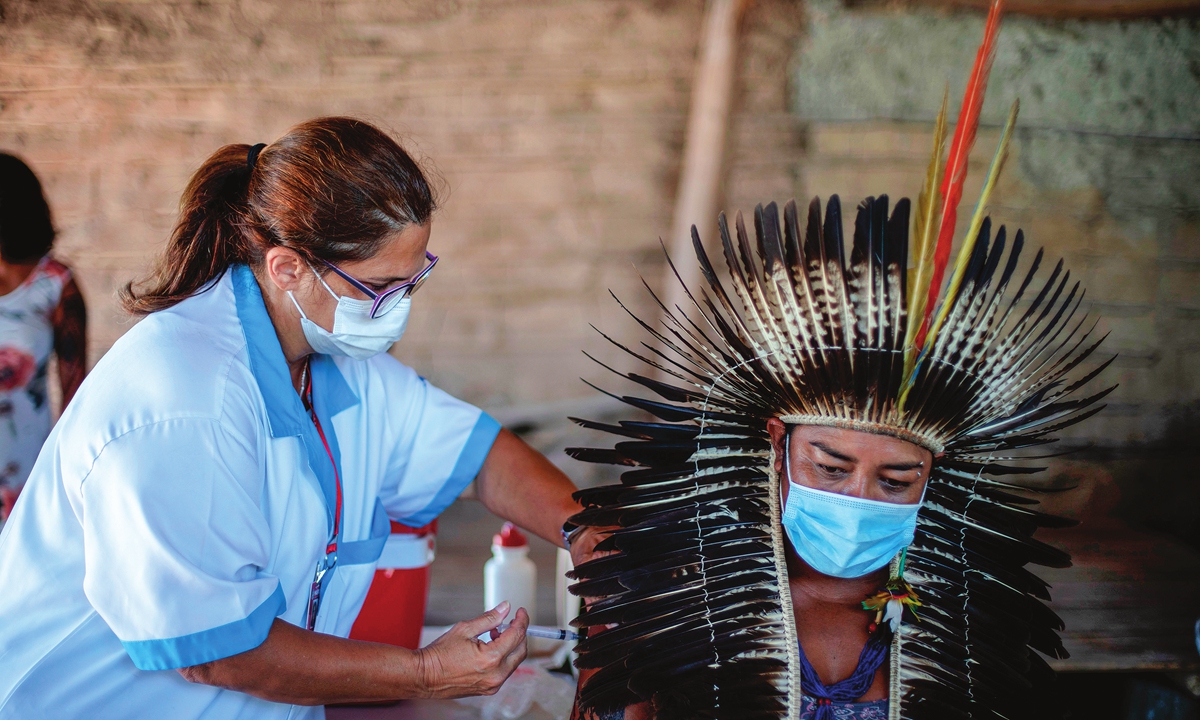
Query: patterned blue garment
(874, 710)
(836, 701)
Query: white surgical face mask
(355, 334)
(844, 536)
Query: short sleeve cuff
(470, 461)
(209, 645)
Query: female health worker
(201, 527)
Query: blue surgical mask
(844, 536)
(355, 333)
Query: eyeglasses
(391, 297)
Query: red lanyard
(337, 514)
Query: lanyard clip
(317, 590)
(326, 563)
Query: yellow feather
(964, 253)
(924, 232)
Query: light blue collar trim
(285, 413)
(284, 409)
(331, 395)
(335, 393)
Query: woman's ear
(285, 268)
(776, 429)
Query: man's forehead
(857, 439)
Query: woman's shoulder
(193, 333)
(54, 268)
(186, 361)
(48, 279)
(41, 289)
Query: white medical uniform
(184, 499)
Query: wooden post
(704, 147)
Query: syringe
(541, 631)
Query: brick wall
(555, 125)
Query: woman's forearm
(300, 667)
(304, 668)
(519, 484)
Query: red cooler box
(394, 610)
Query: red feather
(956, 162)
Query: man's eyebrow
(904, 466)
(830, 451)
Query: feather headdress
(812, 330)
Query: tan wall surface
(557, 126)
(1102, 172)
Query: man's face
(852, 463)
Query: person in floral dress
(41, 313)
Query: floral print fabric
(26, 341)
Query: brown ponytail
(331, 189)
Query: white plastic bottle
(568, 610)
(510, 574)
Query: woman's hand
(458, 664)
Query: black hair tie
(252, 155)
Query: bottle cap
(510, 536)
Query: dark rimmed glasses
(390, 298)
